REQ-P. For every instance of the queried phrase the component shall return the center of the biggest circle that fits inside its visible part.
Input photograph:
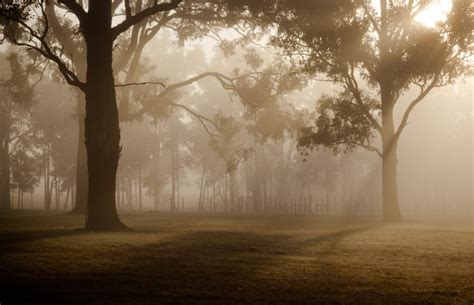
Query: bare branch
(76, 9)
(132, 20)
(423, 93)
(43, 47)
(225, 82)
(128, 10)
(201, 118)
(141, 84)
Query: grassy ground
(190, 259)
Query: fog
(236, 152)
(435, 154)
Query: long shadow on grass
(9, 238)
(197, 267)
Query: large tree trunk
(81, 164)
(102, 122)
(5, 189)
(391, 210)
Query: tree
(25, 173)
(102, 121)
(17, 99)
(58, 41)
(376, 55)
(55, 138)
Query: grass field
(192, 259)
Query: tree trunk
(81, 166)
(47, 181)
(102, 128)
(56, 193)
(391, 211)
(67, 197)
(232, 188)
(19, 199)
(5, 188)
(117, 192)
(201, 190)
(156, 177)
(173, 180)
(140, 204)
(178, 195)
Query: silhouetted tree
(26, 173)
(15, 130)
(102, 120)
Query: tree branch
(225, 82)
(141, 84)
(201, 118)
(43, 48)
(353, 87)
(423, 93)
(76, 9)
(132, 20)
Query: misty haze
(236, 152)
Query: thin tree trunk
(72, 196)
(232, 187)
(18, 199)
(173, 181)
(56, 193)
(201, 190)
(140, 207)
(156, 177)
(47, 181)
(67, 197)
(129, 193)
(5, 188)
(178, 196)
(81, 164)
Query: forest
(236, 152)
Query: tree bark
(201, 189)
(47, 181)
(67, 197)
(140, 204)
(5, 188)
(232, 189)
(81, 165)
(173, 180)
(391, 210)
(102, 128)
(156, 170)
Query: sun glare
(434, 13)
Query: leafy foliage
(367, 52)
(340, 121)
